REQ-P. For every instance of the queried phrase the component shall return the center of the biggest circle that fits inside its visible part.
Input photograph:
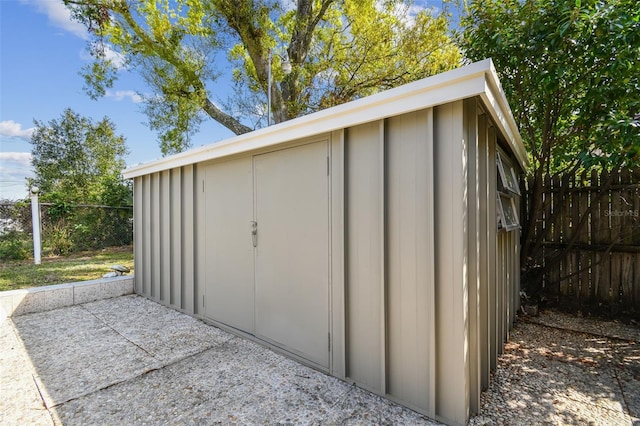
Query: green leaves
(98, 77)
(570, 70)
(78, 161)
(339, 51)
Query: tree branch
(167, 54)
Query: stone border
(46, 298)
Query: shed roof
(476, 79)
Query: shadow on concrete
(129, 360)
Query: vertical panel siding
(503, 261)
(337, 254)
(428, 289)
(452, 363)
(501, 254)
(175, 298)
(156, 264)
(199, 243)
(188, 239)
(138, 232)
(484, 256)
(508, 287)
(492, 228)
(509, 267)
(165, 237)
(473, 242)
(409, 142)
(364, 247)
(516, 266)
(503, 250)
(146, 237)
(511, 314)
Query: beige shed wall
(424, 259)
(164, 238)
(451, 263)
(364, 252)
(410, 259)
(422, 288)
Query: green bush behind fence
(66, 228)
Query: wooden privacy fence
(601, 268)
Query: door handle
(254, 233)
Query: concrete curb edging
(46, 298)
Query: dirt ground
(562, 369)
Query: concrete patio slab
(73, 353)
(166, 334)
(20, 403)
(128, 360)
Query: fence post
(35, 219)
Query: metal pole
(269, 92)
(35, 219)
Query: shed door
(292, 250)
(229, 264)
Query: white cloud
(11, 129)
(115, 57)
(407, 12)
(119, 95)
(22, 159)
(289, 5)
(15, 168)
(59, 16)
(107, 53)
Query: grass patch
(84, 266)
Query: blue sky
(41, 54)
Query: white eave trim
(496, 101)
(477, 79)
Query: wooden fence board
(626, 278)
(616, 258)
(565, 231)
(573, 267)
(555, 234)
(635, 295)
(547, 224)
(635, 292)
(595, 234)
(585, 257)
(603, 266)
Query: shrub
(13, 246)
(57, 239)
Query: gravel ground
(129, 360)
(559, 369)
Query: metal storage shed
(376, 241)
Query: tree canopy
(570, 70)
(78, 161)
(339, 50)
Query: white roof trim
(477, 79)
(500, 111)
